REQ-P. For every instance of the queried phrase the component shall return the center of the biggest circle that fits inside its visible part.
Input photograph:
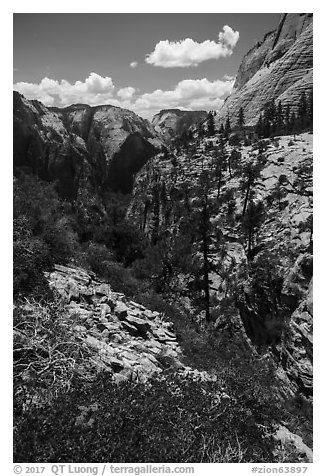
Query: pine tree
(270, 118)
(310, 108)
(227, 129)
(279, 120)
(221, 129)
(251, 173)
(260, 126)
(200, 130)
(210, 125)
(266, 127)
(302, 112)
(241, 120)
(252, 220)
(287, 118)
(293, 126)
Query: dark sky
(71, 46)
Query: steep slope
(279, 68)
(269, 276)
(103, 146)
(95, 360)
(171, 123)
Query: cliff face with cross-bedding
(279, 67)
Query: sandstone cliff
(279, 67)
(171, 123)
(103, 145)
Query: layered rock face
(103, 145)
(171, 123)
(279, 68)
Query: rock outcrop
(128, 340)
(103, 146)
(277, 68)
(171, 123)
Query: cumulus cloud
(228, 77)
(134, 64)
(191, 94)
(188, 52)
(126, 93)
(94, 90)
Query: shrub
(43, 234)
(174, 419)
(31, 256)
(46, 354)
(124, 239)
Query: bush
(101, 262)
(43, 234)
(174, 419)
(31, 256)
(46, 354)
(124, 239)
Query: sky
(140, 61)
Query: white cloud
(134, 64)
(190, 53)
(228, 77)
(189, 94)
(94, 90)
(126, 93)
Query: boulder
(103, 290)
(80, 329)
(137, 306)
(284, 435)
(150, 315)
(116, 364)
(132, 330)
(121, 310)
(101, 327)
(141, 325)
(94, 342)
(105, 310)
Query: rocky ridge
(278, 68)
(101, 146)
(126, 339)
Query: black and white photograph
(162, 239)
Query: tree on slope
(241, 120)
(252, 221)
(210, 125)
(205, 236)
(251, 173)
(227, 128)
